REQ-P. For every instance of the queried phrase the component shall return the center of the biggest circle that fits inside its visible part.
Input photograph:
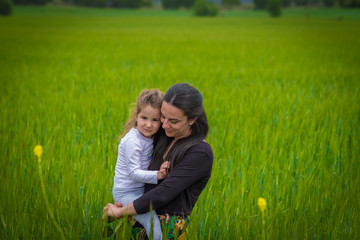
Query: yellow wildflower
(38, 150)
(262, 204)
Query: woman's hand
(112, 210)
(117, 211)
(111, 219)
(162, 172)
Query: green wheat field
(282, 98)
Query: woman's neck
(170, 146)
(174, 141)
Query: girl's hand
(162, 172)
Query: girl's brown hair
(147, 97)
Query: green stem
(47, 202)
(263, 226)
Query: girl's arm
(133, 160)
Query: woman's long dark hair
(189, 100)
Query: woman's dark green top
(178, 193)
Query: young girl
(134, 156)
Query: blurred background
(280, 83)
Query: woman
(185, 125)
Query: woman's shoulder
(200, 154)
(201, 147)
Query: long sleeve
(133, 158)
(178, 193)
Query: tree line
(201, 7)
(261, 4)
(176, 4)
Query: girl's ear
(136, 119)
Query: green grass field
(282, 98)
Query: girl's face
(174, 121)
(148, 121)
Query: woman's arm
(195, 165)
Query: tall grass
(282, 97)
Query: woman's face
(174, 121)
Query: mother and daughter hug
(163, 162)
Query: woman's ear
(192, 121)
